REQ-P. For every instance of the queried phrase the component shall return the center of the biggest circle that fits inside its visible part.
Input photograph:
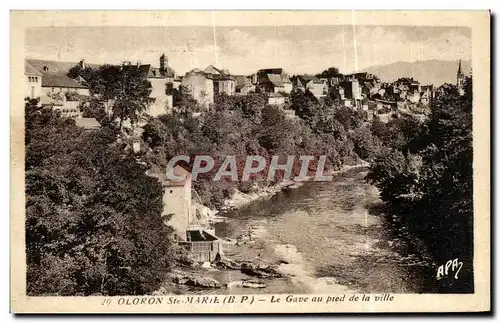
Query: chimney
(82, 64)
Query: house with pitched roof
(54, 78)
(243, 85)
(33, 81)
(200, 85)
(273, 80)
(312, 83)
(162, 81)
(223, 81)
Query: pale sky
(244, 50)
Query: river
(328, 238)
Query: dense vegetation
(245, 125)
(425, 179)
(93, 218)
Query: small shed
(203, 245)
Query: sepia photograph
(272, 162)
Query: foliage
(123, 88)
(93, 218)
(366, 145)
(303, 102)
(330, 72)
(245, 125)
(73, 96)
(58, 96)
(431, 192)
(184, 101)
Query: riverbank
(320, 238)
(240, 199)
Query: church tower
(460, 76)
(163, 63)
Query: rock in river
(227, 263)
(246, 284)
(260, 270)
(205, 282)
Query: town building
(162, 84)
(177, 200)
(243, 85)
(181, 214)
(222, 80)
(311, 83)
(33, 81)
(47, 80)
(273, 80)
(275, 99)
(352, 92)
(88, 124)
(54, 78)
(201, 87)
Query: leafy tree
(93, 218)
(87, 73)
(431, 192)
(366, 145)
(184, 101)
(330, 72)
(302, 103)
(347, 117)
(123, 89)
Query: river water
(328, 238)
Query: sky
(244, 50)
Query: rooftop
(55, 80)
(88, 123)
(178, 171)
(275, 79)
(308, 78)
(54, 67)
(29, 69)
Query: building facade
(312, 83)
(201, 87)
(33, 81)
(223, 81)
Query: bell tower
(460, 76)
(163, 63)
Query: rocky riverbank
(251, 260)
(240, 199)
(195, 276)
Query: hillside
(434, 72)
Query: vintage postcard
(250, 161)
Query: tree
(366, 145)
(184, 101)
(330, 72)
(426, 179)
(302, 103)
(86, 73)
(123, 89)
(93, 218)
